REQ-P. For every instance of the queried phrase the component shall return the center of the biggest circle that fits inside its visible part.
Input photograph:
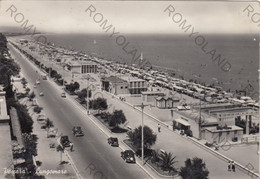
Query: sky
(131, 16)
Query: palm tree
(194, 169)
(167, 161)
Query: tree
(48, 124)
(167, 160)
(118, 117)
(194, 169)
(24, 82)
(27, 90)
(30, 144)
(83, 94)
(136, 137)
(37, 109)
(7, 68)
(31, 96)
(98, 104)
(25, 119)
(72, 87)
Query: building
(135, 85)
(166, 102)
(82, 67)
(115, 85)
(215, 135)
(4, 117)
(150, 96)
(5, 137)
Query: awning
(182, 121)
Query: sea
(179, 54)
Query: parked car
(51, 133)
(44, 77)
(41, 94)
(128, 156)
(63, 95)
(77, 131)
(41, 119)
(38, 82)
(64, 141)
(113, 141)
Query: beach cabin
(150, 96)
(164, 102)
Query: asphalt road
(93, 157)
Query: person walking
(229, 166)
(159, 128)
(71, 146)
(233, 166)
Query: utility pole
(142, 107)
(200, 115)
(87, 77)
(115, 85)
(200, 121)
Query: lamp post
(88, 77)
(200, 115)
(142, 107)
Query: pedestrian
(159, 128)
(71, 146)
(233, 166)
(229, 166)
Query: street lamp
(87, 77)
(200, 115)
(142, 107)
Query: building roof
(114, 79)
(214, 129)
(152, 92)
(79, 63)
(182, 121)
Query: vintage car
(113, 141)
(63, 95)
(64, 141)
(128, 156)
(77, 131)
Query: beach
(178, 55)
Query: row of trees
(9, 68)
(114, 119)
(194, 168)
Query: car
(41, 94)
(44, 77)
(77, 131)
(128, 156)
(38, 82)
(63, 95)
(113, 141)
(51, 133)
(42, 119)
(64, 141)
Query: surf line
(199, 40)
(120, 39)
